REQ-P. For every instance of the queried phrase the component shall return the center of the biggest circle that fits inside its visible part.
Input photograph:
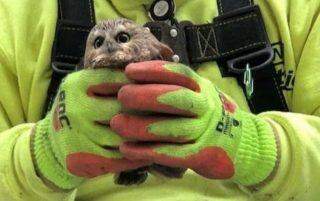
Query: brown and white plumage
(119, 42)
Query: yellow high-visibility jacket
(27, 30)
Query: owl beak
(110, 47)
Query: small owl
(116, 43)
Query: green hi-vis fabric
(54, 141)
(26, 36)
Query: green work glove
(191, 124)
(74, 141)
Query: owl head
(116, 43)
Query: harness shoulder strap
(226, 6)
(75, 20)
(267, 93)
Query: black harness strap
(229, 36)
(75, 20)
(225, 6)
(267, 93)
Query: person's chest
(203, 12)
(33, 66)
(192, 186)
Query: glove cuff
(256, 155)
(45, 161)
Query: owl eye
(123, 37)
(98, 42)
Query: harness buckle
(256, 60)
(62, 68)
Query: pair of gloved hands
(91, 130)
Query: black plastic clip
(62, 68)
(257, 60)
